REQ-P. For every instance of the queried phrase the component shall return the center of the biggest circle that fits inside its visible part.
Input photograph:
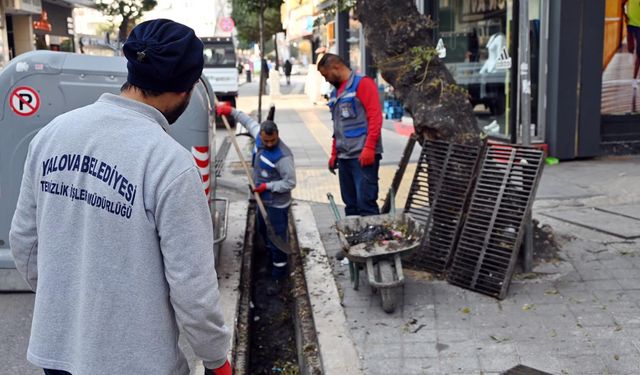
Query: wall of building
(4, 40)
(23, 33)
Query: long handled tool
(276, 240)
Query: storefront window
(52, 28)
(477, 35)
(476, 39)
(54, 43)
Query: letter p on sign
(24, 101)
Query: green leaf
(528, 306)
(499, 339)
(618, 328)
(245, 14)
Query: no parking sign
(227, 24)
(24, 101)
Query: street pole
(342, 33)
(525, 114)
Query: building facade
(299, 21)
(17, 21)
(27, 25)
(584, 97)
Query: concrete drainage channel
(274, 334)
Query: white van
(221, 67)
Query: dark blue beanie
(163, 56)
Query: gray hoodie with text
(113, 232)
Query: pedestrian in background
(113, 231)
(631, 12)
(356, 149)
(287, 70)
(274, 176)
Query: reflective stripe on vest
(266, 161)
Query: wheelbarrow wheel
(387, 295)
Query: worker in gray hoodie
(112, 229)
(275, 176)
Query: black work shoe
(340, 255)
(274, 287)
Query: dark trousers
(55, 372)
(279, 218)
(359, 186)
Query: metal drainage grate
(523, 370)
(437, 197)
(221, 155)
(486, 253)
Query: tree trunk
(123, 30)
(441, 110)
(262, 62)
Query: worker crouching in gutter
(274, 176)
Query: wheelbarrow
(380, 257)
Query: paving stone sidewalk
(577, 315)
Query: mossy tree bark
(399, 38)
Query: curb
(337, 349)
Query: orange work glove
(222, 370)
(224, 108)
(367, 157)
(333, 160)
(260, 188)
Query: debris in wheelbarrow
(380, 234)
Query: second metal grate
(487, 250)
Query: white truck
(221, 67)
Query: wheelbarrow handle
(334, 208)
